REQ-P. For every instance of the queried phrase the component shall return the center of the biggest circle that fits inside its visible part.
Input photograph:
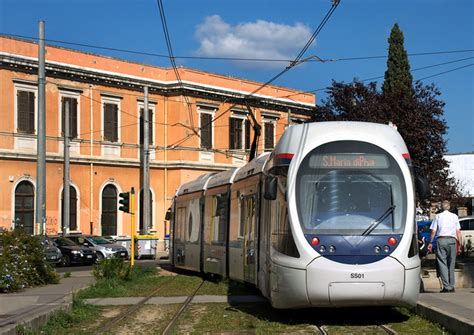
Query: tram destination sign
(348, 161)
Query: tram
(325, 219)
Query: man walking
(446, 227)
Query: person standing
(446, 227)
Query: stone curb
(456, 324)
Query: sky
(275, 29)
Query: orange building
(210, 133)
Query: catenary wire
(144, 53)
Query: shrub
(23, 263)
(112, 268)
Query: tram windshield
(350, 188)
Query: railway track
(180, 311)
(324, 331)
(123, 316)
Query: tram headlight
(377, 249)
(322, 249)
(332, 248)
(386, 248)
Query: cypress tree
(398, 79)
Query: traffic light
(125, 202)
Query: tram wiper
(374, 224)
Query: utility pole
(41, 138)
(146, 167)
(66, 187)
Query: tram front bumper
(335, 284)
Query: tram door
(249, 225)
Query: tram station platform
(454, 311)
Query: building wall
(462, 168)
(96, 162)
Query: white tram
(326, 219)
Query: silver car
(103, 248)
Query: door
(250, 239)
(24, 206)
(109, 211)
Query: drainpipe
(91, 173)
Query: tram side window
(180, 222)
(282, 237)
(247, 211)
(219, 218)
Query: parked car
(52, 252)
(103, 247)
(424, 232)
(74, 253)
(467, 230)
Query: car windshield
(350, 188)
(99, 240)
(64, 242)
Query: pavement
(454, 311)
(33, 307)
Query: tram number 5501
(357, 276)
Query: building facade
(198, 126)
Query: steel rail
(183, 307)
(387, 329)
(105, 328)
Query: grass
(261, 318)
(76, 321)
(143, 281)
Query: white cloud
(259, 39)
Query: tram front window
(350, 188)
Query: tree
(398, 78)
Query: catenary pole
(146, 167)
(41, 138)
(66, 187)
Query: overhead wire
(292, 64)
(382, 76)
(246, 59)
(173, 63)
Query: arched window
(109, 211)
(150, 208)
(72, 207)
(25, 206)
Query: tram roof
(196, 185)
(222, 178)
(252, 168)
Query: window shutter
(73, 117)
(31, 109)
(141, 125)
(115, 122)
(206, 131)
(111, 122)
(238, 134)
(247, 134)
(150, 126)
(26, 112)
(63, 112)
(232, 133)
(108, 122)
(269, 127)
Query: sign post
(132, 213)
